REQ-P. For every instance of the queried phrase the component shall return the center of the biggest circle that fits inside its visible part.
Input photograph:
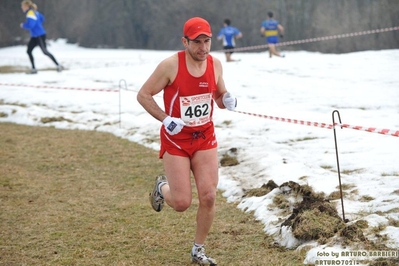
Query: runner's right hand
(173, 125)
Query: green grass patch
(327, 167)
(12, 69)
(346, 186)
(303, 139)
(20, 69)
(70, 197)
(351, 171)
(46, 120)
(366, 198)
(390, 174)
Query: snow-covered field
(307, 86)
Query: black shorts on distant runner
(228, 47)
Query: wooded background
(150, 24)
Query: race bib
(196, 110)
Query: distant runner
(228, 34)
(271, 29)
(33, 23)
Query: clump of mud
(229, 158)
(312, 218)
(46, 120)
(263, 190)
(352, 233)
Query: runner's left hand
(229, 101)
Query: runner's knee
(208, 199)
(181, 205)
(46, 52)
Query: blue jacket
(228, 34)
(33, 23)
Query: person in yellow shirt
(271, 28)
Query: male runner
(228, 34)
(271, 28)
(192, 82)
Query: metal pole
(339, 171)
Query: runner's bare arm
(280, 28)
(161, 77)
(221, 88)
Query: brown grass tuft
(263, 190)
(228, 160)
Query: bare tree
(150, 24)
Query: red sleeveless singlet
(191, 99)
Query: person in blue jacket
(271, 28)
(228, 34)
(34, 23)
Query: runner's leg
(273, 50)
(228, 57)
(42, 44)
(204, 165)
(177, 193)
(31, 45)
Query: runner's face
(24, 7)
(199, 48)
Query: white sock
(195, 247)
(159, 187)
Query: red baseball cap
(196, 26)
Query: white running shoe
(156, 198)
(32, 71)
(200, 258)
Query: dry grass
(12, 69)
(20, 69)
(80, 198)
(313, 225)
